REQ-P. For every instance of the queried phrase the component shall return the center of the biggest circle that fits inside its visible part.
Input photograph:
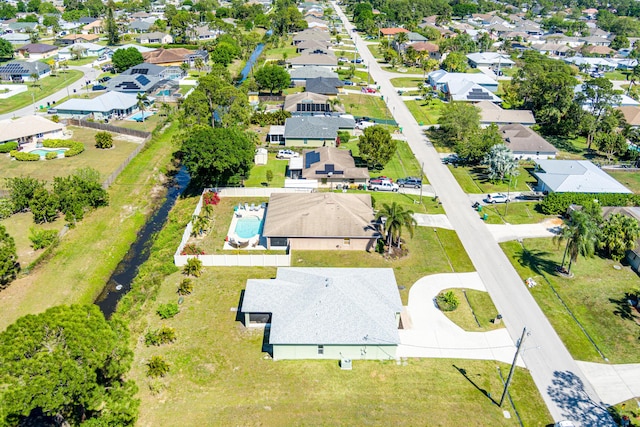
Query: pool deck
(257, 242)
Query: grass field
(631, 180)
(401, 165)
(82, 61)
(46, 87)
(258, 175)
(104, 161)
(366, 106)
(516, 213)
(406, 82)
(148, 125)
(18, 226)
(219, 371)
(425, 112)
(473, 179)
(596, 296)
(85, 258)
(476, 303)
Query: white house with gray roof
(315, 131)
(106, 106)
(575, 176)
(327, 313)
(299, 76)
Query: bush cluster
(275, 118)
(210, 198)
(75, 147)
(157, 367)
(6, 208)
(447, 301)
(104, 140)
(24, 157)
(7, 147)
(558, 203)
(51, 155)
(191, 249)
(185, 287)
(164, 335)
(41, 239)
(167, 311)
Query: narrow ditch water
(120, 281)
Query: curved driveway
(564, 388)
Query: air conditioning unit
(345, 364)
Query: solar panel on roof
(143, 80)
(310, 158)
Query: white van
(364, 125)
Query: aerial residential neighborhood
(319, 213)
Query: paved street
(563, 386)
(89, 73)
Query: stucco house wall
(334, 352)
(310, 143)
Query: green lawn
(615, 75)
(473, 179)
(631, 180)
(516, 213)
(258, 175)
(105, 161)
(476, 303)
(18, 226)
(46, 87)
(425, 112)
(511, 72)
(596, 296)
(401, 165)
(366, 106)
(569, 148)
(148, 125)
(184, 89)
(375, 51)
(406, 82)
(82, 61)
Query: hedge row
(7, 147)
(24, 157)
(558, 203)
(75, 147)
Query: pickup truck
(384, 186)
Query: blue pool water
(138, 116)
(248, 227)
(43, 151)
(165, 92)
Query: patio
(245, 230)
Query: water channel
(251, 62)
(120, 281)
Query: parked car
(533, 195)
(379, 180)
(108, 68)
(52, 111)
(384, 186)
(286, 154)
(347, 83)
(343, 59)
(104, 79)
(363, 125)
(357, 61)
(410, 181)
(451, 158)
(497, 198)
(368, 90)
(98, 87)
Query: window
(40, 135)
(320, 349)
(346, 241)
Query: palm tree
(394, 218)
(142, 98)
(198, 63)
(581, 235)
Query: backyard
(18, 226)
(631, 180)
(595, 295)
(104, 161)
(46, 86)
(258, 175)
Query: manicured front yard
(406, 82)
(425, 112)
(595, 295)
(473, 179)
(401, 165)
(366, 106)
(46, 87)
(476, 303)
(514, 213)
(105, 161)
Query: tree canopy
(459, 122)
(376, 145)
(123, 59)
(272, 77)
(618, 235)
(8, 257)
(68, 364)
(6, 49)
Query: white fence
(231, 260)
(256, 191)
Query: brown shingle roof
(163, 56)
(392, 31)
(521, 139)
(631, 115)
(425, 46)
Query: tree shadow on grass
(468, 378)
(537, 261)
(568, 392)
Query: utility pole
(513, 365)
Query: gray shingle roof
(348, 306)
(323, 85)
(311, 72)
(104, 103)
(316, 127)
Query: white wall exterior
(335, 352)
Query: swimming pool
(44, 151)
(249, 226)
(164, 92)
(137, 117)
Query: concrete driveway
(614, 383)
(432, 334)
(506, 232)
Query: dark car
(534, 195)
(98, 87)
(347, 82)
(357, 61)
(410, 181)
(104, 79)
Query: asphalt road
(89, 74)
(563, 386)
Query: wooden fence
(110, 128)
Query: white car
(497, 198)
(364, 125)
(286, 154)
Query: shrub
(7, 147)
(41, 239)
(210, 198)
(55, 118)
(185, 287)
(104, 140)
(24, 157)
(447, 301)
(193, 267)
(74, 147)
(164, 335)
(51, 155)
(6, 208)
(191, 249)
(558, 203)
(157, 367)
(167, 311)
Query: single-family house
(140, 25)
(106, 106)
(492, 60)
(391, 33)
(23, 27)
(16, 39)
(81, 50)
(315, 131)
(631, 115)
(314, 59)
(36, 51)
(553, 49)
(174, 56)
(431, 48)
(206, 33)
(595, 41)
(574, 176)
(602, 51)
(313, 22)
(146, 78)
(313, 45)
(309, 103)
(525, 143)
(94, 27)
(330, 166)
(320, 221)
(22, 71)
(324, 86)
(311, 34)
(70, 39)
(299, 76)
(327, 313)
(466, 87)
(27, 129)
(155, 37)
(492, 113)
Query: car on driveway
(532, 195)
(410, 181)
(286, 154)
(368, 90)
(347, 82)
(98, 87)
(380, 180)
(497, 198)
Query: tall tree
(394, 218)
(68, 364)
(8, 257)
(611, 143)
(6, 49)
(113, 36)
(599, 97)
(272, 77)
(44, 206)
(123, 59)
(618, 235)
(477, 146)
(141, 100)
(580, 236)
(458, 122)
(376, 146)
(501, 163)
(455, 62)
(21, 190)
